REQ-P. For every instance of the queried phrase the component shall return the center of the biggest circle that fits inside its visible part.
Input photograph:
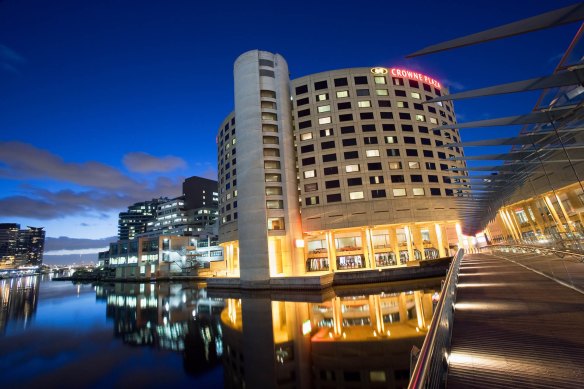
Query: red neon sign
(414, 76)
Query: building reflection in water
(175, 317)
(340, 339)
(18, 299)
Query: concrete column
(409, 243)
(403, 311)
(570, 226)
(557, 219)
(330, 238)
(368, 248)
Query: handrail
(540, 248)
(432, 366)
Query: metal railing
(432, 361)
(560, 254)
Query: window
(420, 118)
(416, 95)
(324, 108)
(327, 132)
(411, 152)
(430, 166)
(270, 140)
(397, 178)
(362, 92)
(401, 93)
(329, 157)
(370, 140)
(360, 80)
(372, 153)
(374, 166)
(302, 101)
(366, 115)
(322, 97)
(398, 81)
(416, 178)
(307, 148)
(407, 127)
(435, 191)
(354, 181)
(265, 93)
(273, 177)
(376, 179)
(309, 174)
(426, 141)
(265, 128)
(327, 145)
(311, 200)
(320, 85)
(304, 124)
(345, 105)
(402, 104)
(351, 154)
(308, 161)
(306, 136)
(399, 192)
(347, 130)
(304, 112)
(388, 127)
(378, 193)
(381, 92)
(390, 139)
(418, 106)
(267, 104)
(333, 198)
(405, 116)
(328, 171)
(341, 82)
(351, 168)
(368, 127)
(346, 117)
(432, 178)
(418, 191)
(392, 152)
(269, 116)
(271, 153)
(273, 190)
(441, 155)
(274, 204)
(301, 89)
(272, 164)
(384, 103)
(275, 223)
(414, 84)
(356, 195)
(380, 80)
(349, 142)
(433, 121)
(364, 103)
(324, 120)
(342, 94)
(395, 165)
(409, 140)
(386, 115)
(414, 165)
(332, 184)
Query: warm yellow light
(379, 70)
(299, 243)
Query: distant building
(134, 221)
(21, 247)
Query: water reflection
(346, 338)
(18, 299)
(174, 317)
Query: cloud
(453, 85)
(139, 162)
(106, 188)
(210, 173)
(10, 59)
(66, 243)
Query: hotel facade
(333, 171)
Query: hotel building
(333, 171)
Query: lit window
(306, 136)
(414, 165)
(416, 95)
(391, 139)
(364, 104)
(355, 195)
(310, 174)
(372, 153)
(273, 190)
(420, 118)
(342, 93)
(418, 191)
(274, 204)
(327, 132)
(324, 120)
(381, 92)
(399, 192)
(275, 223)
(395, 165)
(433, 121)
(351, 168)
(324, 108)
(380, 80)
(270, 165)
(322, 97)
(401, 104)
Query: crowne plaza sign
(397, 72)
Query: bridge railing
(432, 361)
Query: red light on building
(414, 76)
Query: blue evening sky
(104, 103)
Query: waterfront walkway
(516, 328)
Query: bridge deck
(514, 328)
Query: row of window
(373, 180)
(371, 166)
(376, 194)
(348, 117)
(386, 127)
(373, 140)
(364, 80)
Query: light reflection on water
(60, 334)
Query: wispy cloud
(453, 85)
(139, 162)
(10, 60)
(66, 243)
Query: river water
(57, 334)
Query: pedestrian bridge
(509, 316)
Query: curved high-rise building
(335, 170)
